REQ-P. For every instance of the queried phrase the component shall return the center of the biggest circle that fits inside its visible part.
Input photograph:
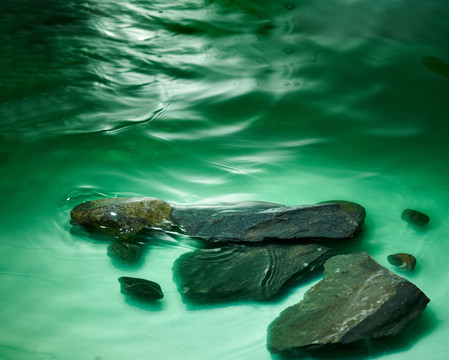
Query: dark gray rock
(414, 217)
(357, 299)
(404, 261)
(239, 272)
(140, 289)
(332, 220)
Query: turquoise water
(293, 102)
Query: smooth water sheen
(202, 101)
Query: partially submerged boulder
(403, 261)
(357, 299)
(122, 217)
(239, 272)
(333, 220)
(415, 217)
(140, 289)
(254, 222)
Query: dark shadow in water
(150, 305)
(128, 262)
(82, 234)
(421, 327)
(436, 65)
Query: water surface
(293, 102)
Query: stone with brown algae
(241, 222)
(239, 272)
(403, 261)
(121, 217)
(357, 299)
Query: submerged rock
(436, 65)
(125, 252)
(140, 289)
(357, 299)
(414, 217)
(333, 220)
(238, 272)
(246, 222)
(403, 261)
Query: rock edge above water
(357, 299)
(125, 217)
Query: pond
(208, 101)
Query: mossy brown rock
(239, 272)
(403, 261)
(122, 217)
(357, 299)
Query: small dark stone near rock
(414, 217)
(403, 261)
(239, 272)
(125, 252)
(140, 289)
(357, 299)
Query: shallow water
(293, 102)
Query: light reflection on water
(204, 102)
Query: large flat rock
(333, 220)
(357, 299)
(239, 272)
(240, 222)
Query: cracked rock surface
(357, 299)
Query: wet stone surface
(357, 299)
(121, 217)
(414, 217)
(140, 289)
(238, 272)
(333, 220)
(404, 261)
(241, 222)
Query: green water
(189, 101)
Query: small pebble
(140, 289)
(414, 217)
(404, 261)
